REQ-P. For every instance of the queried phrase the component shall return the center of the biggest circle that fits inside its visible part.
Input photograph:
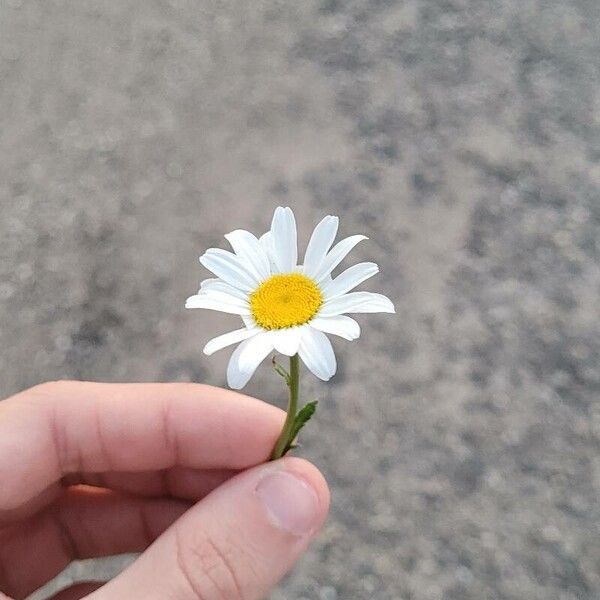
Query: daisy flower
(286, 307)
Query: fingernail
(290, 502)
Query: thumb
(235, 544)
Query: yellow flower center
(285, 301)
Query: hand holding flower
(92, 469)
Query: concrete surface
(461, 437)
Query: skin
(169, 470)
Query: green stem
(284, 442)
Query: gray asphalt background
(461, 437)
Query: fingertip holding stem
(237, 542)
(290, 502)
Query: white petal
(286, 341)
(218, 285)
(317, 354)
(235, 378)
(246, 358)
(284, 240)
(337, 255)
(249, 321)
(266, 242)
(345, 327)
(255, 351)
(325, 281)
(228, 267)
(218, 301)
(249, 249)
(227, 339)
(349, 279)
(357, 302)
(320, 242)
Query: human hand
(174, 473)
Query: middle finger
(177, 482)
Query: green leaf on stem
(302, 418)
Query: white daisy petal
(208, 283)
(235, 378)
(320, 242)
(286, 341)
(349, 279)
(266, 242)
(218, 285)
(246, 358)
(325, 281)
(248, 248)
(228, 267)
(220, 302)
(345, 327)
(255, 351)
(227, 339)
(317, 354)
(248, 321)
(337, 255)
(284, 239)
(357, 302)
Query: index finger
(58, 428)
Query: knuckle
(208, 568)
(44, 399)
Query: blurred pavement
(461, 437)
